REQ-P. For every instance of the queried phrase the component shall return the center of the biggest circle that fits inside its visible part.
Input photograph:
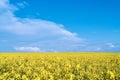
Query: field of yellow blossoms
(59, 66)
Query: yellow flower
(17, 75)
(24, 77)
(112, 75)
(77, 66)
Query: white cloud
(98, 49)
(110, 45)
(42, 33)
(27, 26)
(22, 4)
(34, 49)
(3, 4)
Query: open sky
(59, 25)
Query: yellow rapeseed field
(59, 66)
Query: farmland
(59, 66)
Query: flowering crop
(60, 66)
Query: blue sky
(53, 26)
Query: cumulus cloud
(39, 35)
(45, 34)
(27, 26)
